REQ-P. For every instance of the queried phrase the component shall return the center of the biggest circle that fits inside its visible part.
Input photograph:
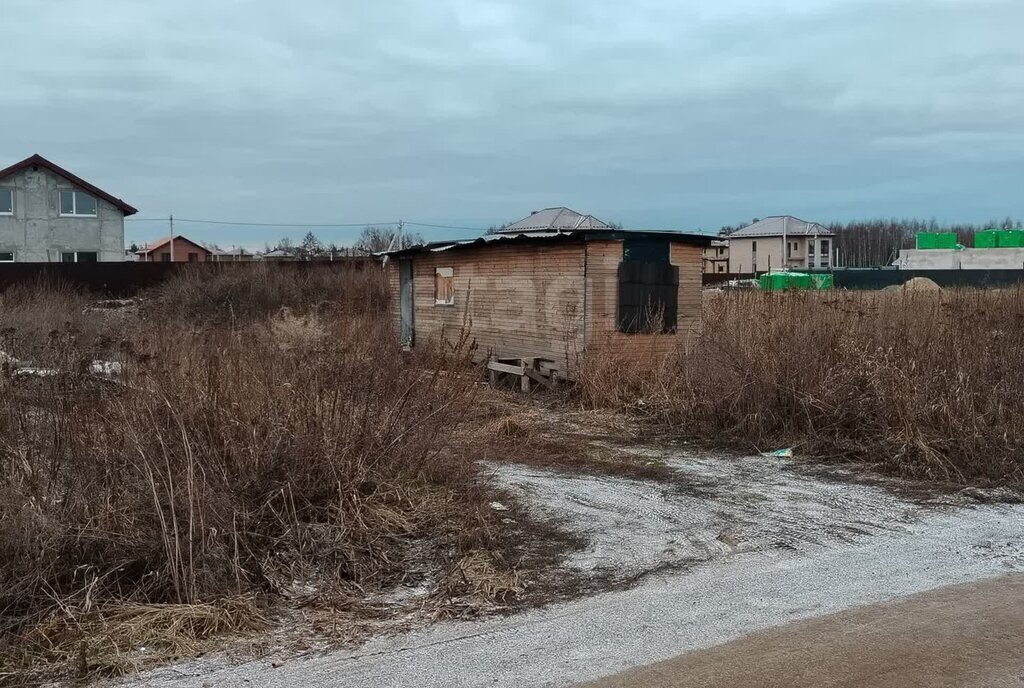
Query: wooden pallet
(528, 370)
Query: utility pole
(785, 245)
(171, 219)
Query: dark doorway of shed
(405, 301)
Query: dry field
(249, 456)
(922, 384)
(260, 447)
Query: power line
(424, 224)
(302, 224)
(258, 224)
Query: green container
(774, 281)
(782, 281)
(1011, 238)
(987, 239)
(936, 240)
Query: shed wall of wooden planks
(527, 300)
(523, 301)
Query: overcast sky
(651, 113)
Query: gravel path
(758, 545)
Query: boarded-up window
(444, 286)
(648, 296)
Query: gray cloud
(652, 113)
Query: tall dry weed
(924, 384)
(249, 447)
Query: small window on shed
(444, 286)
(6, 201)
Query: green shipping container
(987, 239)
(781, 281)
(1011, 238)
(774, 281)
(930, 240)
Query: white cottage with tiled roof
(779, 242)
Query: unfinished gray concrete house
(49, 215)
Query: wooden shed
(542, 299)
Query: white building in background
(781, 242)
(961, 259)
(716, 256)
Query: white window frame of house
(13, 256)
(76, 255)
(74, 203)
(9, 190)
(447, 274)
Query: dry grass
(125, 638)
(925, 384)
(265, 434)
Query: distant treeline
(867, 243)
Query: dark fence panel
(713, 279)
(879, 278)
(129, 278)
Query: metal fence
(879, 278)
(129, 278)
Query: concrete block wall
(37, 233)
(966, 259)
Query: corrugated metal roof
(779, 225)
(567, 235)
(492, 238)
(554, 219)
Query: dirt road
(734, 547)
(964, 636)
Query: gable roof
(553, 220)
(39, 161)
(160, 243)
(777, 225)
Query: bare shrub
(922, 383)
(235, 458)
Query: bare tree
(376, 239)
(311, 244)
